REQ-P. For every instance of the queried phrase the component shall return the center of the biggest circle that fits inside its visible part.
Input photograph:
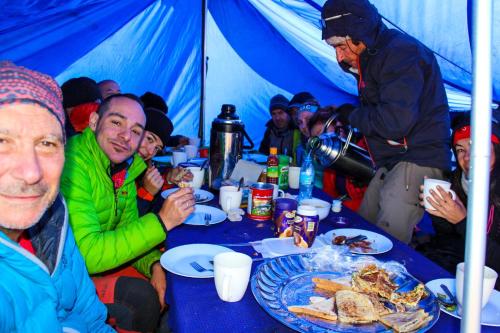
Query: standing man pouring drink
(403, 110)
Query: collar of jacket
(135, 169)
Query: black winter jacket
(402, 99)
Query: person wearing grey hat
(279, 130)
(403, 110)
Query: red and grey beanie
(21, 85)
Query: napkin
(275, 247)
(235, 214)
(250, 171)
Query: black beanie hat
(301, 98)
(278, 102)
(152, 100)
(80, 90)
(158, 123)
(358, 19)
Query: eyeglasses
(331, 18)
(157, 149)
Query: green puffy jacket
(105, 222)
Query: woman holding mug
(449, 216)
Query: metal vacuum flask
(226, 145)
(332, 151)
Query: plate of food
(359, 241)
(200, 195)
(366, 298)
(490, 314)
(205, 215)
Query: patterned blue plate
(284, 281)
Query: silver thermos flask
(338, 153)
(226, 145)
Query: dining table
(194, 305)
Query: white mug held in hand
(431, 184)
(294, 177)
(231, 275)
(178, 157)
(198, 175)
(230, 198)
(489, 279)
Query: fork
(208, 217)
(200, 268)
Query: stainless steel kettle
(226, 145)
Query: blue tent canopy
(254, 49)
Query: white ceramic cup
(293, 177)
(277, 193)
(198, 176)
(178, 157)
(431, 184)
(230, 197)
(191, 151)
(231, 275)
(489, 279)
(194, 141)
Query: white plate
(205, 196)
(380, 243)
(197, 218)
(178, 259)
(490, 316)
(163, 159)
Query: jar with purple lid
(284, 216)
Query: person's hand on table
(177, 207)
(179, 174)
(444, 206)
(152, 180)
(159, 282)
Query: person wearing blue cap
(403, 110)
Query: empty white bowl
(323, 207)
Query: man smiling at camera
(99, 184)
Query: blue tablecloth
(195, 306)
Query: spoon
(203, 164)
(241, 183)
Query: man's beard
(20, 190)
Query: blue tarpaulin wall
(254, 48)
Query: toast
(406, 321)
(332, 285)
(320, 307)
(355, 308)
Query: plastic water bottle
(306, 179)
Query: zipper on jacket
(116, 201)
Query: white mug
(231, 275)
(230, 198)
(198, 175)
(489, 279)
(195, 141)
(191, 151)
(277, 193)
(294, 177)
(431, 184)
(178, 157)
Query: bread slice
(320, 307)
(332, 285)
(355, 308)
(406, 321)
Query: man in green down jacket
(98, 183)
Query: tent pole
(201, 125)
(477, 212)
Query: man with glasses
(403, 110)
